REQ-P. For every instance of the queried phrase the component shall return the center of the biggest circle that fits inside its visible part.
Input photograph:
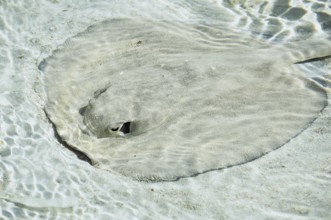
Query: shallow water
(40, 178)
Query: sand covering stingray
(158, 101)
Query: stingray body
(158, 101)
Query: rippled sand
(40, 178)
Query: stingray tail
(308, 51)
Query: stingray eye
(82, 110)
(125, 128)
(114, 129)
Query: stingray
(158, 101)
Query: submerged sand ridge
(158, 101)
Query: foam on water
(41, 179)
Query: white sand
(41, 179)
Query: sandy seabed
(40, 179)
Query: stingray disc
(157, 101)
